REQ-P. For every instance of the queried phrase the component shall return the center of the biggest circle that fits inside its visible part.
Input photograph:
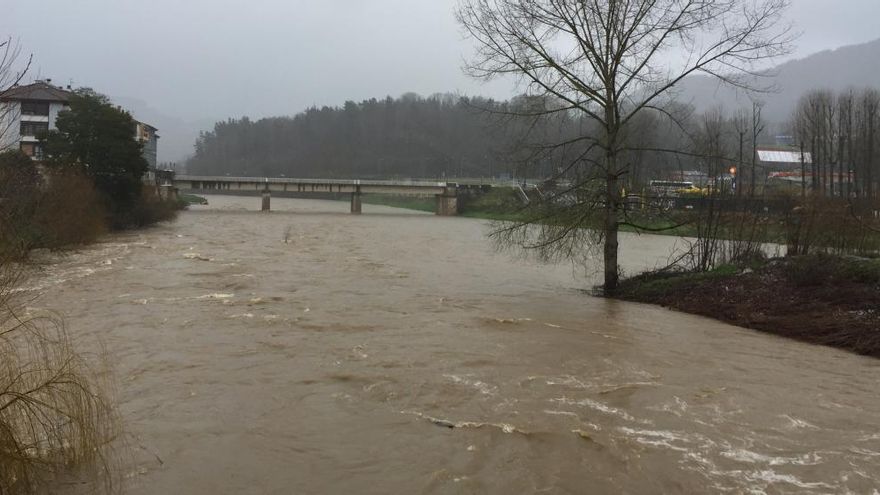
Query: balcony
(34, 118)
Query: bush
(812, 271)
(64, 208)
(61, 211)
(69, 212)
(831, 225)
(150, 209)
(19, 191)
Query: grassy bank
(418, 203)
(499, 204)
(820, 299)
(192, 199)
(503, 204)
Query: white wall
(10, 125)
(54, 109)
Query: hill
(850, 66)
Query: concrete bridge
(444, 192)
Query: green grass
(492, 215)
(407, 202)
(661, 227)
(192, 199)
(649, 285)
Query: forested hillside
(409, 136)
(415, 137)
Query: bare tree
(756, 129)
(609, 61)
(11, 73)
(741, 124)
(842, 135)
(867, 138)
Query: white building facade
(28, 112)
(148, 136)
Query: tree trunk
(869, 160)
(611, 230)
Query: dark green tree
(99, 138)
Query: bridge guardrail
(285, 180)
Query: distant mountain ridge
(855, 66)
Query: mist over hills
(854, 66)
(176, 136)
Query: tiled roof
(38, 91)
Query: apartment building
(27, 112)
(149, 137)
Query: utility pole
(739, 169)
(840, 166)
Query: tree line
(443, 135)
(842, 134)
(446, 135)
(406, 136)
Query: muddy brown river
(309, 351)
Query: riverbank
(498, 204)
(820, 299)
(503, 204)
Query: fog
(187, 64)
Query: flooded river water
(311, 351)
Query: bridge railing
(285, 180)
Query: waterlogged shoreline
(819, 299)
(308, 350)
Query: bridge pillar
(267, 200)
(356, 202)
(447, 203)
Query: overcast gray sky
(211, 59)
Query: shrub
(832, 225)
(19, 191)
(69, 212)
(812, 271)
(151, 209)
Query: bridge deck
(220, 183)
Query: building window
(34, 128)
(34, 108)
